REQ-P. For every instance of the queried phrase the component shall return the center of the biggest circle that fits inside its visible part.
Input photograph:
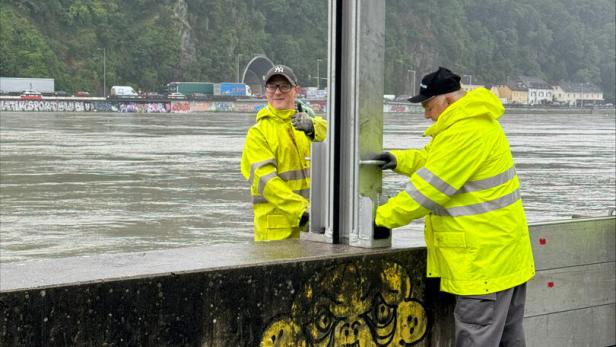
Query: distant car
(81, 93)
(198, 96)
(31, 95)
(154, 95)
(402, 97)
(60, 93)
(176, 96)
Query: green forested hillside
(149, 43)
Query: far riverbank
(234, 106)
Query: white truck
(123, 92)
(10, 85)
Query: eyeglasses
(284, 87)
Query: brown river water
(92, 183)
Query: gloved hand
(388, 159)
(305, 218)
(302, 122)
(380, 232)
(302, 107)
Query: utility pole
(237, 67)
(104, 70)
(412, 82)
(318, 75)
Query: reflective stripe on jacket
(464, 180)
(274, 163)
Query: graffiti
(180, 106)
(45, 106)
(150, 107)
(128, 107)
(402, 108)
(200, 107)
(156, 107)
(352, 306)
(398, 108)
(222, 107)
(249, 107)
(104, 107)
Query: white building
(539, 91)
(572, 94)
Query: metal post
(237, 67)
(104, 70)
(345, 193)
(318, 75)
(413, 83)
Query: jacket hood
(270, 111)
(476, 103)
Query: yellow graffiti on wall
(352, 306)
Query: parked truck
(16, 85)
(208, 90)
(123, 92)
(190, 88)
(231, 89)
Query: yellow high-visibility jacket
(275, 164)
(464, 182)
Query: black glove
(389, 160)
(380, 232)
(305, 218)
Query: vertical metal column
(344, 192)
(323, 184)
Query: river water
(91, 183)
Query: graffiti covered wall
(358, 300)
(45, 106)
(319, 106)
(352, 305)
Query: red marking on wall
(550, 284)
(542, 241)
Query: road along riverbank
(235, 106)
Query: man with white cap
(275, 160)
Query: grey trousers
(491, 320)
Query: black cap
(283, 71)
(441, 81)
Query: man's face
(280, 93)
(434, 107)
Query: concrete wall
(571, 301)
(296, 293)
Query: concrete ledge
(294, 293)
(224, 295)
(123, 266)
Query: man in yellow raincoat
(465, 184)
(276, 158)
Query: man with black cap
(276, 156)
(465, 184)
